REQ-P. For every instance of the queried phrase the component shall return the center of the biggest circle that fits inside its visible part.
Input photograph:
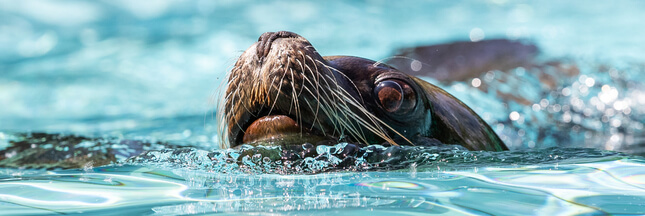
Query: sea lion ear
(454, 123)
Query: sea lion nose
(265, 40)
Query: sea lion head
(281, 91)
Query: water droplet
(566, 91)
(416, 65)
(477, 34)
(566, 117)
(476, 82)
(590, 81)
(620, 105)
(514, 116)
(186, 133)
(490, 75)
(544, 103)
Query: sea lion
(281, 91)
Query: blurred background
(151, 68)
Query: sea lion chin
(281, 91)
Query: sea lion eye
(395, 96)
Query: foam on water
(307, 159)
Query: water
(439, 180)
(125, 90)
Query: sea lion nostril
(265, 40)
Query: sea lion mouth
(270, 129)
(267, 127)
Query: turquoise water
(438, 180)
(139, 81)
(614, 186)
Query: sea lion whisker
(348, 114)
(317, 81)
(374, 129)
(335, 125)
(371, 117)
(312, 49)
(324, 103)
(304, 67)
(331, 112)
(351, 128)
(277, 92)
(327, 112)
(357, 133)
(222, 114)
(371, 128)
(295, 100)
(246, 107)
(229, 94)
(272, 85)
(389, 127)
(289, 71)
(317, 96)
(379, 62)
(337, 117)
(315, 114)
(292, 90)
(218, 91)
(346, 78)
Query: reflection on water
(613, 186)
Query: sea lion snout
(264, 42)
(282, 81)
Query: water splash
(308, 159)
